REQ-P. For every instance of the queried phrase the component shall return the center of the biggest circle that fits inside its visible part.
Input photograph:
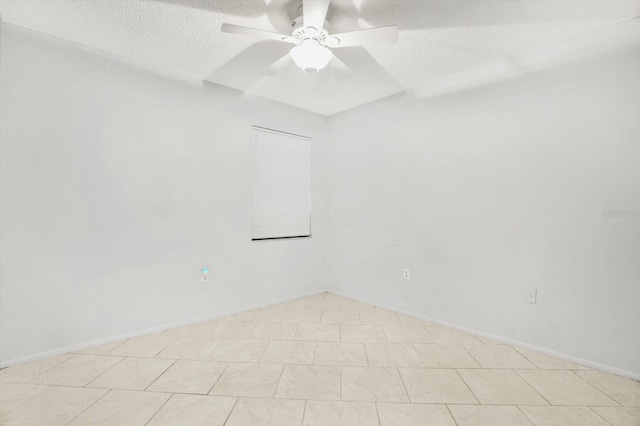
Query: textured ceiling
(438, 39)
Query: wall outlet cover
(532, 295)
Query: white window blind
(281, 185)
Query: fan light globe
(310, 56)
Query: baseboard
(571, 358)
(92, 343)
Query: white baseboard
(97, 342)
(581, 361)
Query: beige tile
(354, 306)
(413, 321)
(445, 355)
(232, 330)
(200, 329)
(500, 387)
(339, 317)
(330, 305)
(620, 416)
(230, 318)
(341, 354)
(144, 346)
(494, 415)
(274, 331)
(264, 315)
(99, 350)
(407, 334)
(309, 382)
(362, 333)
(122, 408)
(336, 298)
(561, 387)
(132, 374)
(318, 332)
(289, 352)
(194, 410)
(302, 317)
(547, 362)
(184, 376)
(565, 416)
(266, 412)
(77, 371)
(414, 415)
(449, 335)
(12, 395)
(379, 317)
(625, 391)
(23, 373)
(245, 379)
(392, 355)
(293, 305)
(372, 384)
(498, 356)
(197, 348)
(436, 386)
(239, 350)
(54, 406)
(340, 413)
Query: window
(281, 185)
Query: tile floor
(322, 360)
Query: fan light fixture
(310, 56)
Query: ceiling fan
(311, 35)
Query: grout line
(91, 405)
(304, 411)
(162, 374)
(224, 370)
(531, 386)
(597, 388)
(375, 404)
(231, 411)
(451, 414)
(598, 414)
(465, 383)
(403, 385)
(158, 410)
(104, 372)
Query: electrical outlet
(532, 295)
(406, 274)
(204, 271)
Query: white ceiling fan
(311, 35)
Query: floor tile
(309, 382)
(379, 317)
(561, 387)
(341, 354)
(413, 321)
(500, 387)
(266, 412)
(302, 317)
(12, 395)
(624, 391)
(407, 334)
(340, 413)
(184, 376)
(318, 332)
(99, 350)
(232, 330)
(449, 335)
(274, 331)
(483, 415)
(362, 333)
(77, 371)
(249, 379)
(445, 355)
(192, 330)
(144, 346)
(289, 352)
(619, 416)
(414, 415)
(194, 410)
(339, 317)
(55, 406)
(565, 416)
(132, 374)
(547, 362)
(325, 305)
(292, 305)
(392, 355)
(498, 356)
(122, 408)
(239, 350)
(372, 384)
(263, 315)
(23, 373)
(436, 386)
(197, 348)
(353, 306)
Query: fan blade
(266, 35)
(278, 66)
(314, 13)
(340, 70)
(378, 35)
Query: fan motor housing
(299, 31)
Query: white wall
(118, 184)
(486, 193)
